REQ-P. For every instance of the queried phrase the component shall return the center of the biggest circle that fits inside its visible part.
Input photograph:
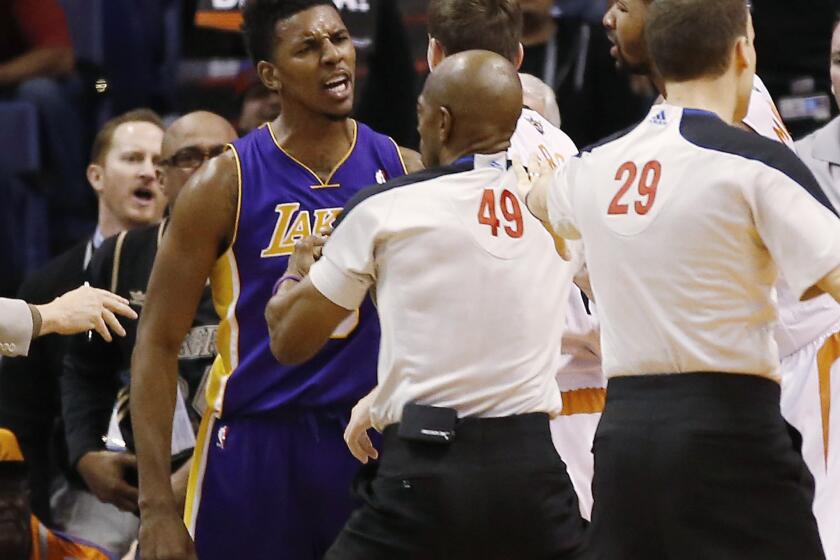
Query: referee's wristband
(285, 277)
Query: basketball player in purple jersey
(271, 475)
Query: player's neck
(316, 140)
(717, 96)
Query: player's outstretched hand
(163, 536)
(85, 309)
(307, 251)
(356, 435)
(532, 185)
(536, 178)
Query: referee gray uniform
(470, 294)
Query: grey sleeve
(16, 326)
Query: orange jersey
(47, 545)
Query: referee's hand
(356, 436)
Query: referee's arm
(300, 318)
(308, 306)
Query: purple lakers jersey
(282, 201)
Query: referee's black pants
(699, 466)
(499, 491)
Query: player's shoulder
(252, 141)
(706, 130)
(417, 179)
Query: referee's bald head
(470, 104)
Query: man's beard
(636, 69)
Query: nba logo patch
(380, 177)
(221, 437)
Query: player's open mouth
(338, 88)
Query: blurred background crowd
(68, 180)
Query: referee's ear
(446, 122)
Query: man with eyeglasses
(96, 375)
(121, 171)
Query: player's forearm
(154, 379)
(288, 343)
(299, 324)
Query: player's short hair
(260, 17)
(103, 139)
(689, 39)
(490, 25)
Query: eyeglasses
(191, 157)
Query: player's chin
(339, 113)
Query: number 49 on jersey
(510, 209)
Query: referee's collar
(481, 161)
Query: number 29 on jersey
(644, 196)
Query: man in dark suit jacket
(96, 375)
(122, 173)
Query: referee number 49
(511, 212)
(648, 182)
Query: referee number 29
(648, 182)
(510, 209)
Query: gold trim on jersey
(238, 194)
(827, 355)
(197, 469)
(328, 184)
(583, 401)
(399, 154)
(225, 285)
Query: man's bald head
(186, 143)
(470, 104)
(537, 95)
